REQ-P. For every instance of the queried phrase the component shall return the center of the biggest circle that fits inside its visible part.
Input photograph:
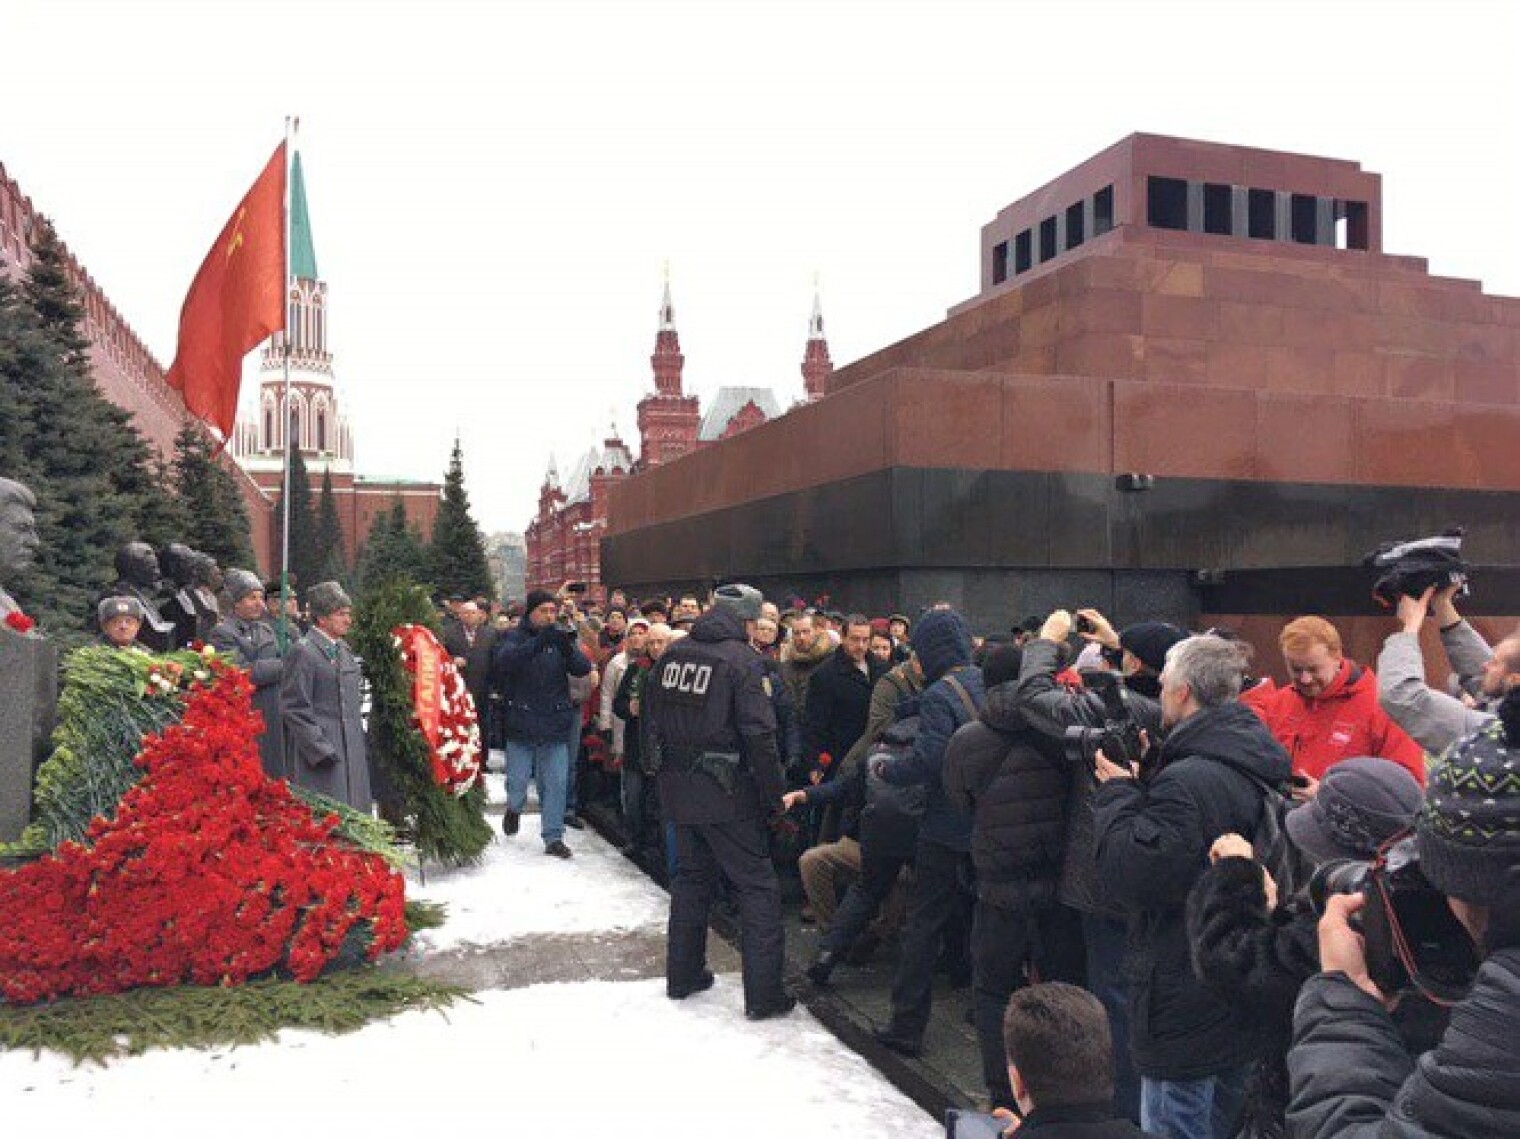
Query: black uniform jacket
(708, 693)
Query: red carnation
(20, 621)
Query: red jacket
(1344, 722)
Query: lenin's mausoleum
(1193, 384)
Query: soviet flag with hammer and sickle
(236, 300)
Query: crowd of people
(1296, 903)
(1295, 907)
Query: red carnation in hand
(20, 621)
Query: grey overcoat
(324, 733)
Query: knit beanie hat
(1469, 831)
(1150, 641)
(537, 597)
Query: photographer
(531, 671)
(1254, 948)
(1015, 783)
(1210, 777)
(1350, 1074)
(1434, 718)
(1040, 700)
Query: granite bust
(18, 537)
(137, 576)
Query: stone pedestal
(28, 701)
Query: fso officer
(711, 743)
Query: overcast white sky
(495, 186)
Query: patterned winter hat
(1469, 830)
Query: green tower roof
(303, 254)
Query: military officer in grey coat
(251, 641)
(319, 694)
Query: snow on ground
(599, 1058)
(519, 891)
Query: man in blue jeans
(531, 671)
(1154, 826)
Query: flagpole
(291, 126)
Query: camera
(1118, 737)
(1414, 942)
(1408, 569)
(1084, 625)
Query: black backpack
(890, 818)
(1274, 849)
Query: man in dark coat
(1050, 709)
(711, 743)
(472, 643)
(805, 651)
(1351, 1076)
(1192, 1050)
(939, 907)
(838, 701)
(320, 694)
(531, 673)
(839, 695)
(251, 641)
(1014, 781)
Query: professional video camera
(1408, 569)
(1413, 940)
(1118, 737)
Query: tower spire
(303, 254)
(817, 367)
(667, 308)
(669, 418)
(667, 360)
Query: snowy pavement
(601, 1054)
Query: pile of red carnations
(442, 708)
(209, 874)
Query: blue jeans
(572, 790)
(549, 762)
(632, 801)
(1104, 939)
(1193, 1109)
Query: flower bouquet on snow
(209, 873)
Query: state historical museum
(1193, 384)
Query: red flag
(236, 300)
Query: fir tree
(53, 299)
(215, 517)
(14, 367)
(82, 456)
(458, 549)
(393, 549)
(165, 517)
(334, 566)
(306, 557)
